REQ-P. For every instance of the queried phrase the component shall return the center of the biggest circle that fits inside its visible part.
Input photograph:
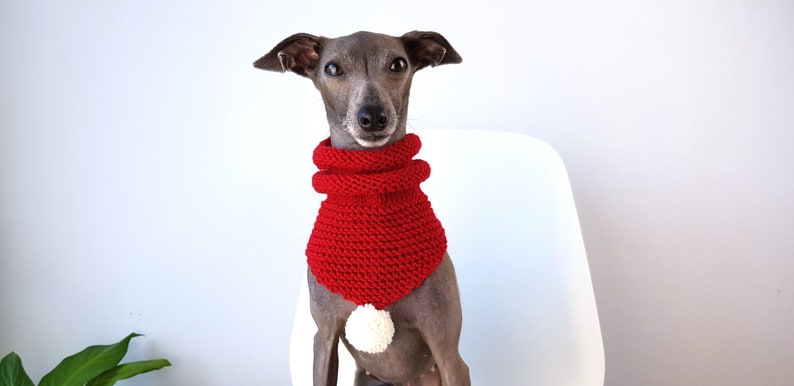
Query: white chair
(529, 314)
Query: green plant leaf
(12, 373)
(127, 370)
(80, 368)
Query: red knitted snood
(376, 237)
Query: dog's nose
(373, 118)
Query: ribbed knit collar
(351, 172)
(363, 161)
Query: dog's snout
(373, 118)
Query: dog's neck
(331, 159)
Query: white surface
(529, 315)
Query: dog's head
(364, 79)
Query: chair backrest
(529, 314)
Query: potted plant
(94, 366)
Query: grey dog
(364, 80)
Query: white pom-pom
(369, 329)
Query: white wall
(142, 161)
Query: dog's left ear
(429, 49)
(298, 53)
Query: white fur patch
(367, 143)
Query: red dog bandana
(376, 237)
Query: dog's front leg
(329, 311)
(326, 358)
(453, 371)
(441, 327)
(451, 367)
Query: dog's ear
(298, 53)
(429, 49)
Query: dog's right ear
(427, 48)
(298, 53)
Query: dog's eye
(398, 65)
(333, 69)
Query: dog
(364, 80)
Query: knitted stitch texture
(376, 237)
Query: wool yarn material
(376, 237)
